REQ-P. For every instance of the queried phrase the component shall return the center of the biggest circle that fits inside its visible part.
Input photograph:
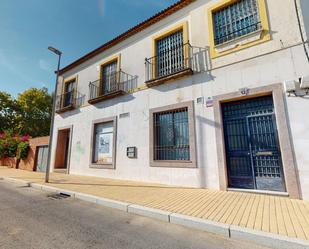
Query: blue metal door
(252, 146)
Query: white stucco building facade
(217, 76)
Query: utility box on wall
(132, 152)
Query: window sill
(169, 77)
(239, 41)
(106, 96)
(172, 164)
(102, 166)
(65, 109)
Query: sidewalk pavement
(272, 220)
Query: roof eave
(139, 27)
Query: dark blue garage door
(252, 145)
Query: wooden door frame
(70, 129)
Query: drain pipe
(301, 30)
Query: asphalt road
(30, 219)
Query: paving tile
(278, 215)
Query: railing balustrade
(110, 84)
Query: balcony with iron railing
(175, 63)
(110, 86)
(66, 101)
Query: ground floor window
(172, 136)
(103, 149)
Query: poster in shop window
(105, 147)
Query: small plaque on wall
(209, 102)
(131, 152)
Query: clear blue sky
(28, 27)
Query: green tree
(8, 112)
(35, 112)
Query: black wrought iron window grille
(171, 135)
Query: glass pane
(172, 135)
(170, 56)
(69, 86)
(103, 146)
(236, 20)
(109, 77)
(68, 94)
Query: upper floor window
(170, 54)
(69, 93)
(109, 77)
(235, 20)
(171, 58)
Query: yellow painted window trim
(185, 32)
(69, 80)
(106, 62)
(265, 35)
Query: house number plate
(264, 153)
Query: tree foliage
(29, 114)
(9, 112)
(35, 112)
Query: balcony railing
(111, 85)
(66, 101)
(171, 63)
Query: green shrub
(22, 150)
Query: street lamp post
(51, 131)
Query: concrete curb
(123, 206)
(267, 239)
(36, 186)
(13, 180)
(200, 224)
(235, 232)
(149, 212)
(52, 189)
(66, 192)
(86, 197)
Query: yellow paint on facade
(182, 26)
(265, 36)
(67, 81)
(107, 61)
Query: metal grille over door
(252, 145)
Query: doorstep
(61, 171)
(263, 192)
